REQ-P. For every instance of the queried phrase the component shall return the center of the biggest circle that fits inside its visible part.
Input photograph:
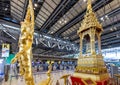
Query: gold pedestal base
(92, 76)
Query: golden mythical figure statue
(25, 46)
(24, 56)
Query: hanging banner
(5, 50)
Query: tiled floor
(39, 77)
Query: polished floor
(38, 77)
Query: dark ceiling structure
(57, 22)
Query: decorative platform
(79, 81)
(91, 76)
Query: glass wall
(111, 53)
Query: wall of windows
(111, 53)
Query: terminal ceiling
(60, 20)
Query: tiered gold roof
(90, 20)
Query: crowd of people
(43, 66)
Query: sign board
(5, 50)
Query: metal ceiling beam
(4, 4)
(9, 23)
(63, 7)
(68, 47)
(16, 13)
(56, 10)
(40, 4)
(107, 28)
(16, 9)
(7, 39)
(17, 3)
(110, 14)
(24, 9)
(96, 6)
(53, 49)
(52, 57)
(111, 34)
(110, 39)
(112, 44)
(104, 36)
(71, 34)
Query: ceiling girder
(53, 44)
(104, 36)
(61, 9)
(96, 6)
(25, 9)
(110, 14)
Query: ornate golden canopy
(90, 20)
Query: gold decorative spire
(91, 65)
(89, 5)
(90, 19)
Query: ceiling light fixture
(35, 4)
(6, 9)
(62, 21)
(40, 0)
(106, 16)
(102, 19)
(84, 0)
(111, 29)
(115, 28)
(65, 21)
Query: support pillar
(99, 42)
(81, 44)
(92, 40)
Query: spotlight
(35, 4)
(102, 19)
(84, 0)
(111, 29)
(40, 0)
(6, 9)
(106, 16)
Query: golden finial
(89, 6)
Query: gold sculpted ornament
(24, 56)
(48, 80)
(25, 46)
